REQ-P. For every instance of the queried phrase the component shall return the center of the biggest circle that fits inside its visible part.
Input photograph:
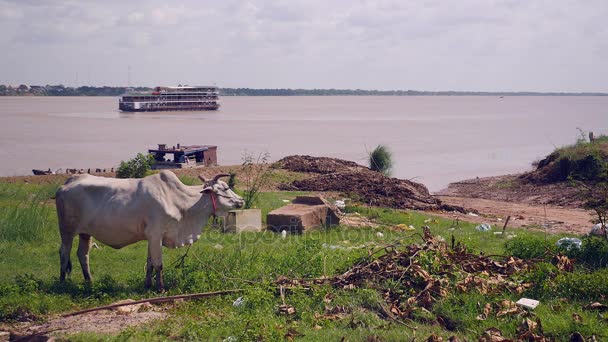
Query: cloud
(425, 44)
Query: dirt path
(104, 322)
(557, 219)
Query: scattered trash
(340, 204)
(569, 243)
(484, 227)
(511, 236)
(379, 235)
(286, 201)
(238, 302)
(528, 303)
(325, 245)
(428, 220)
(598, 230)
(472, 214)
(283, 234)
(403, 226)
(218, 246)
(499, 219)
(497, 233)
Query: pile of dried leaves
(412, 278)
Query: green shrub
(136, 167)
(381, 160)
(581, 285)
(541, 278)
(232, 180)
(594, 252)
(528, 247)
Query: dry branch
(155, 300)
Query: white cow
(120, 212)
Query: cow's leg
(149, 269)
(64, 254)
(155, 261)
(84, 245)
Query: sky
(483, 45)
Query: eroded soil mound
(583, 161)
(322, 165)
(358, 182)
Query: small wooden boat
(42, 172)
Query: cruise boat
(171, 99)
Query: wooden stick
(505, 226)
(154, 300)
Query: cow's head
(225, 199)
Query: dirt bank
(514, 188)
(551, 205)
(552, 218)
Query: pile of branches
(412, 278)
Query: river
(435, 140)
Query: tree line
(61, 90)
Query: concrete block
(306, 212)
(244, 220)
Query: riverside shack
(183, 156)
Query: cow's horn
(202, 179)
(219, 176)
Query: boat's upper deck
(175, 91)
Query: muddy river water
(435, 140)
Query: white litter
(528, 303)
(286, 201)
(379, 235)
(238, 302)
(230, 339)
(472, 214)
(340, 204)
(428, 220)
(597, 230)
(283, 234)
(484, 227)
(218, 246)
(569, 243)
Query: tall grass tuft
(26, 214)
(381, 160)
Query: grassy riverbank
(29, 289)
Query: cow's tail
(67, 235)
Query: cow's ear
(207, 190)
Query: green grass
(29, 285)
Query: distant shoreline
(60, 90)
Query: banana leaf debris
(411, 279)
